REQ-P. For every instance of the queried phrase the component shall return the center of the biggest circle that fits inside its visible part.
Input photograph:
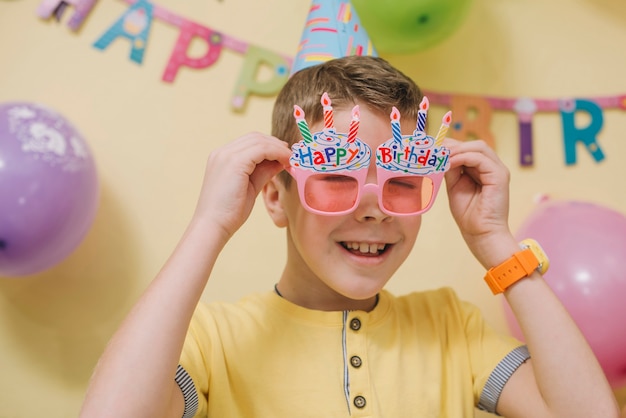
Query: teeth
(364, 247)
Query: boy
(328, 341)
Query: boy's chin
(361, 292)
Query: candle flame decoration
(421, 115)
(325, 100)
(443, 130)
(395, 114)
(329, 123)
(354, 124)
(395, 124)
(298, 114)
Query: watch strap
(520, 265)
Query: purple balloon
(586, 245)
(48, 189)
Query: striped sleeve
(500, 375)
(190, 395)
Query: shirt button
(355, 324)
(359, 402)
(356, 361)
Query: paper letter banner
(82, 8)
(525, 108)
(473, 113)
(474, 118)
(586, 135)
(135, 25)
(179, 56)
(248, 84)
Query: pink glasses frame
(382, 175)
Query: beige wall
(151, 140)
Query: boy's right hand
(235, 174)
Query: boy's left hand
(478, 194)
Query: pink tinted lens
(331, 192)
(408, 194)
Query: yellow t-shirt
(425, 354)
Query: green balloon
(405, 26)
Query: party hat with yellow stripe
(332, 30)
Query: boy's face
(342, 262)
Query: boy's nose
(368, 209)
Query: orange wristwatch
(520, 265)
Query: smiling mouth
(365, 248)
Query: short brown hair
(371, 81)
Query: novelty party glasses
(330, 168)
(339, 194)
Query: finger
(474, 153)
(248, 151)
(476, 160)
(480, 170)
(476, 168)
(460, 147)
(263, 173)
(260, 147)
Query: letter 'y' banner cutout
(473, 114)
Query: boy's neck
(338, 303)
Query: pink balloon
(48, 189)
(586, 245)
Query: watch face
(534, 246)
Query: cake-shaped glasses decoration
(330, 168)
(417, 153)
(329, 151)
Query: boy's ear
(271, 196)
